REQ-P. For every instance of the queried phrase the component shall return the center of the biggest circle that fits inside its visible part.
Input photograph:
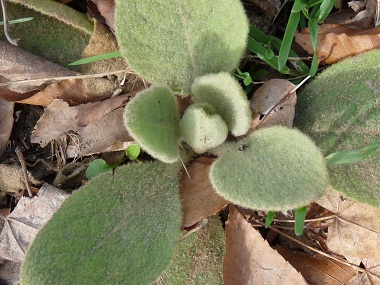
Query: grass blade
(17, 21)
(96, 58)
(300, 215)
(269, 218)
(288, 39)
(351, 156)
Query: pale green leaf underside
(173, 42)
(273, 169)
(118, 229)
(227, 97)
(201, 128)
(151, 118)
(340, 110)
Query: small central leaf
(152, 120)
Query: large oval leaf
(273, 169)
(340, 110)
(118, 229)
(173, 42)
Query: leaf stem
(10, 39)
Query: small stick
(10, 39)
(21, 158)
(128, 70)
(204, 222)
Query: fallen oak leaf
(354, 232)
(336, 42)
(6, 123)
(30, 215)
(30, 79)
(317, 269)
(250, 260)
(198, 198)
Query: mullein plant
(122, 227)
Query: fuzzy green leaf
(54, 25)
(340, 110)
(199, 258)
(96, 167)
(118, 229)
(273, 169)
(201, 128)
(151, 118)
(132, 151)
(227, 97)
(175, 42)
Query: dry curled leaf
(355, 232)
(250, 260)
(6, 123)
(336, 42)
(317, 269)
(106, 9)
(30, 215)
(18, 65)
(272, 104)
(198, 197)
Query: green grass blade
(96, 58)
(299, 5)
(255, 47)
(18, 21)
(313, 29)
(263, 38)
(325, 10)
(288, 39)
(300, 215)
(351, 156)
(269, 218)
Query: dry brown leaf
(104, 135)
(317, 269)
(30, 215)
(336, 42)
(198, 197)
(355, 232)
(6, 123)
(366, 13)
(18, 64)
(98, 125)
(58, 118)
(371, 277)
(92, 112)
(11, 178)
(273, 105)
(107, 10)
(250, 260)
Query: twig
(287, 95)
(21, 158)
(67, 77)
(204, 222)
(10, 39)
